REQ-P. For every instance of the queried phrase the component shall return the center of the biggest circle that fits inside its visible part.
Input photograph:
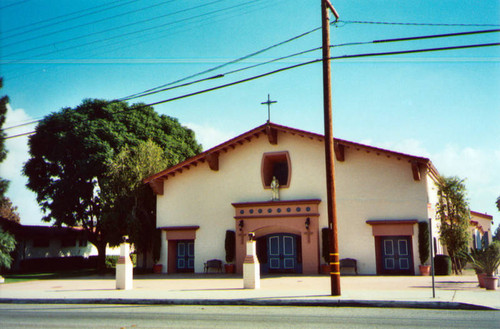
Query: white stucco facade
(375, 189)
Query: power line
(116, 28)
(402, 52)
(300, 65)
(66, 16)
(20, 135)
(217, 76)
(209, 20)
(319, 60)
(418, 24)
(14, 4)
(437, 36)
(166, 87)
(22, 124)
(85, 24)
(223, 65)
(147, 29)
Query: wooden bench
(215, 264)
(349, 263)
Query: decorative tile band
(277, 209)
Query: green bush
(112, 260)
(423, 242)
(486, 260)
(442, 265)
(230, 245)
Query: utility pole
(329, 153)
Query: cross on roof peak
(268, 103)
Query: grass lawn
(13, 278)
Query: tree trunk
(101, 256)
(144, 259)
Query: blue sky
(441, 105)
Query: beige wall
(483, 226)
(369, 186)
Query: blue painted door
(282, 253)
(185, 256)
(397, 256)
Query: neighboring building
(45, 242)
(480, 229)
(380, 196)
(50, 248)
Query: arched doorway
(287, 234)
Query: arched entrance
(286, 233)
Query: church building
(381, 195)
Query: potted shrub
(475, 256)
(230, 246)
(325, 250)
(487, 261)
(157, 268)
(423, 248)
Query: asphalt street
(141, 316)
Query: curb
(252, 302)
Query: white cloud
(366, 142)
(209, 136)
(11, 167)
(480, 167)
(17, 147)
(408, 146)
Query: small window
(276, 165)
(41, 243)
(67, 242)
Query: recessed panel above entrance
(294, 208)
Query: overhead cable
(418, 24)
(171, 85)
(304, 64)
(14, 4)
(68, 17)
(116, 28)
(225, 64)
(216, 76)
(319, 60)
(105, 19)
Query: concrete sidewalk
(452, 292)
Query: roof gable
(271, 130)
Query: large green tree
(129, 201)
(454, 215)
(70, 152)
(4, 100)
(7, 245)
(9, 211)
(496, 236)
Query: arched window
(278, 165)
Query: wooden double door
(396, 255)
(185, 256)
(279, 253)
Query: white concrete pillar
(164, 252)
(251, 266)
(124, 268)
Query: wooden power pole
(329, 153)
